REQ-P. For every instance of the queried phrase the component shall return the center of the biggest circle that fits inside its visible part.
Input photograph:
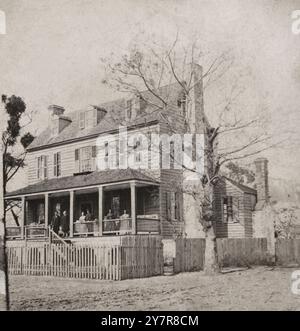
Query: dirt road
(260, 288)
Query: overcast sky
(51, 52)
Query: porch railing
(117, 226)
(30, 232)
(36, 232)
(14, 232)
(86, 228)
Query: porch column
(22, 216)
(71, 213)
(100, 209)
(133, 207)
(46, 210)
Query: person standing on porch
(88, 216)
(65, 223)
(55, 223)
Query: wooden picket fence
(287, 252)
(189, 254)
(142, 258)
(242, 252)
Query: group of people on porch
(60, 223)
(111, 223)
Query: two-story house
(103, 167)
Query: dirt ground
(261, 288)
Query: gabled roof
(242, 187)
(79, 181)
(114, 118)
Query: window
(106, 153)
(137, 149)
(42, 167)
(85, 159)
(173, 206)
(88, 119)
(231, 207)
(122, 153)
(57, 165)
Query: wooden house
(80, 165)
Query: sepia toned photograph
(149, 158)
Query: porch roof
(81, 181)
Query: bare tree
(235, 135)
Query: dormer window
(90, 118)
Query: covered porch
(104, 209)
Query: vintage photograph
(149, 156)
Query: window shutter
(45, 166)
(229, 208)
(77, 160)
(55, 164)
(173, 205)
(38, 167)
(94, 151)
(58, 164)
(177, 206)
(81, 120)
(170, 205)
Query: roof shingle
(94, 178)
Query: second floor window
(85, 159)
(137, 150)
(42, 167)
(57, 165)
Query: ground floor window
(230, 209)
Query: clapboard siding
(68, 155)
(230, 230)
(243, 228)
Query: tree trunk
(4, 298)
(211, 259)
(211, 255)
(4, 302)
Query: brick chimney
(57, 121)
(262, 181)
(196, 109)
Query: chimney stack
(57, 121)
(196, 111)
(262, 181)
